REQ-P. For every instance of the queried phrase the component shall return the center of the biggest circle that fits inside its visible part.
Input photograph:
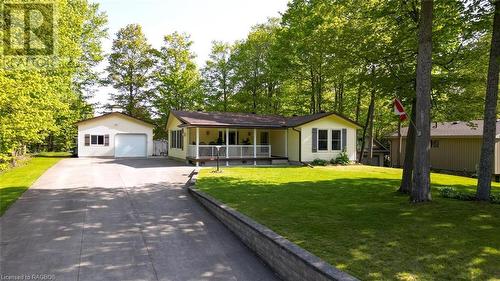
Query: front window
(97, 139)
(322, 139)
(336, 139)
(176, 139)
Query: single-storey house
(114, 134)
(455, 146)
(244, 138)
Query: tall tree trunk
(400, 144)
(490, 112)
(341, 97)
(358, 105)
(370, 137)
(320, 92)
(369, 117)
(312, 110)
(225, 100)
(224, 90)
(254, 97)
(406, 178)
(420, 191)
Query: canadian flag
(400, 110)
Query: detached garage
(114, 135)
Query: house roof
(119, 114)
(377, 147)
(454, 129)
(242, 120)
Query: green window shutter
(87, 139)
(314, 140)
(344, 139)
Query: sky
(204, 20)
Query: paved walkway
(106, 219)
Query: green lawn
(353, 218)
(15, 181)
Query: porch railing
(232, 151)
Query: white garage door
(129, 145)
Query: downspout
(300, 143)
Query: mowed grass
(15, 181)
(353, 218)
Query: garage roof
(118, 114)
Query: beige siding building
(455, 146)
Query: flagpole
(400, 110)
(415, 126)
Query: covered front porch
(241, 145)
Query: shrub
(447, 192)
(450, 192)
(342, 159)
(5, 162)
(319, 162)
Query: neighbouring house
(114, 135)
(379, 154)
(455, 146)
(244, 138)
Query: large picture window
(176, 139)
(336, 139)
(322, 140)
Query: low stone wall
(288, 260)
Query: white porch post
(227, 146)
(197, 145)
(286, 143)
(255, 146)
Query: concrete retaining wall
(288, 260)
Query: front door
(233, 138)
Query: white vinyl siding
(329, 123)
(105, 130)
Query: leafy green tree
(490, 113)
(177, 80)
(129, 70)
(256, 78)
(218, 77)
(40, 105)
(421, 170)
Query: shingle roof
(454, 129)
(377, 147)
(199, 118)
(121, 114)
(233, 119)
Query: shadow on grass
(364, 227)
(9, 195)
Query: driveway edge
(287, 259)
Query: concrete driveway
(106, 219)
